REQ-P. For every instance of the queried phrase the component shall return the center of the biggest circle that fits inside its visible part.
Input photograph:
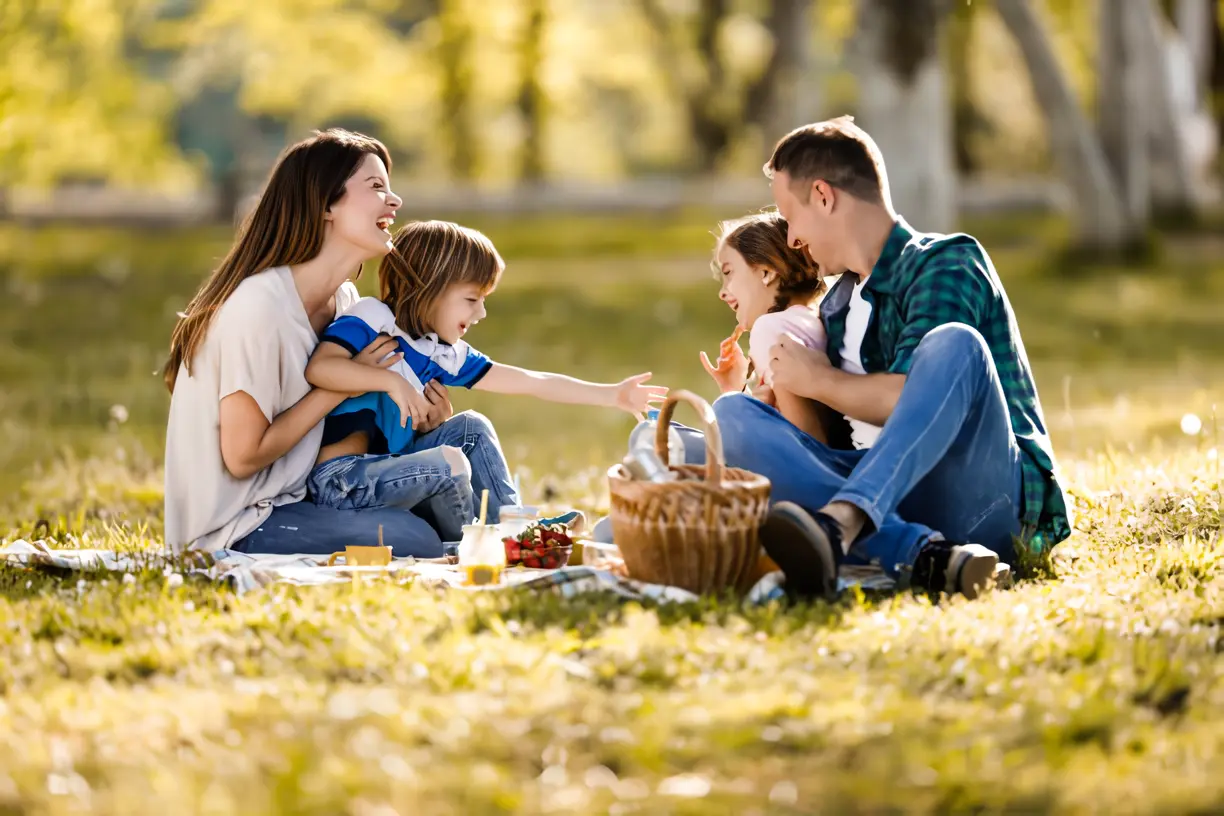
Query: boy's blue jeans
(946, 462)
(420, 479)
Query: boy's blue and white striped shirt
(425, 358)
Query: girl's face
(363, 216)
(749, 291)
(460, 307)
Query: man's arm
(951, 290)
(868, 398)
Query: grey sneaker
(970, 569)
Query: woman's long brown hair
(285, 228)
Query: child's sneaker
(575, 520)
(970, 569)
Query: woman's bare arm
(249, 443)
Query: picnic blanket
(245, 572)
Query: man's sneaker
(970, 569)
(806, 547)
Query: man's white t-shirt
(259, 342)
(862, 434)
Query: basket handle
(715, 462)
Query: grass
(1094, 686)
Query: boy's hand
(634, 397)
(732, 369)
(412, 405)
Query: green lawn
(1096, 690)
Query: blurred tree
(531, 95)
(1100, 213)
(778, 101)
(967, 119)
(720, 105)
(455, 59)
(74, 102)
(903, 102)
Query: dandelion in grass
(1191, 425)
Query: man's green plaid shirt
(922, 281)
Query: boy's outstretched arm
(631, 394)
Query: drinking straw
(484, 505)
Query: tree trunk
(531, 95)
(455, 58)
(1171, 179)
(704, 103)
(1196, 20)
(966, 118)
(1100, 214)
(780, 100)
(903, 103)
(1123, 116)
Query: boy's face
(460, 307)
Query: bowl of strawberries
(539, 547)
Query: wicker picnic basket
(698, 532)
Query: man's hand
(440, 408)
(797, 368)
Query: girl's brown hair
(761, 239)
(430, 257)
(285, 228)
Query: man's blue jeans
(947, 460)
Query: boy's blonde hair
(761, 239)
(430, 257)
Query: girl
(433, 287)
(773, 290)
(245, 426)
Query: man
(951, 465)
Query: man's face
(810, 223)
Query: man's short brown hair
(835, 151)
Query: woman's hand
(732, 369)
(634, 396)
(440, 408)
(383, 352)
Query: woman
(245, 427)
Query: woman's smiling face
(749, 291)
(364, 214)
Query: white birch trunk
(1100, 214)
(910, 118)
(1171, 179)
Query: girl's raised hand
(634, 396)
(732, 368)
